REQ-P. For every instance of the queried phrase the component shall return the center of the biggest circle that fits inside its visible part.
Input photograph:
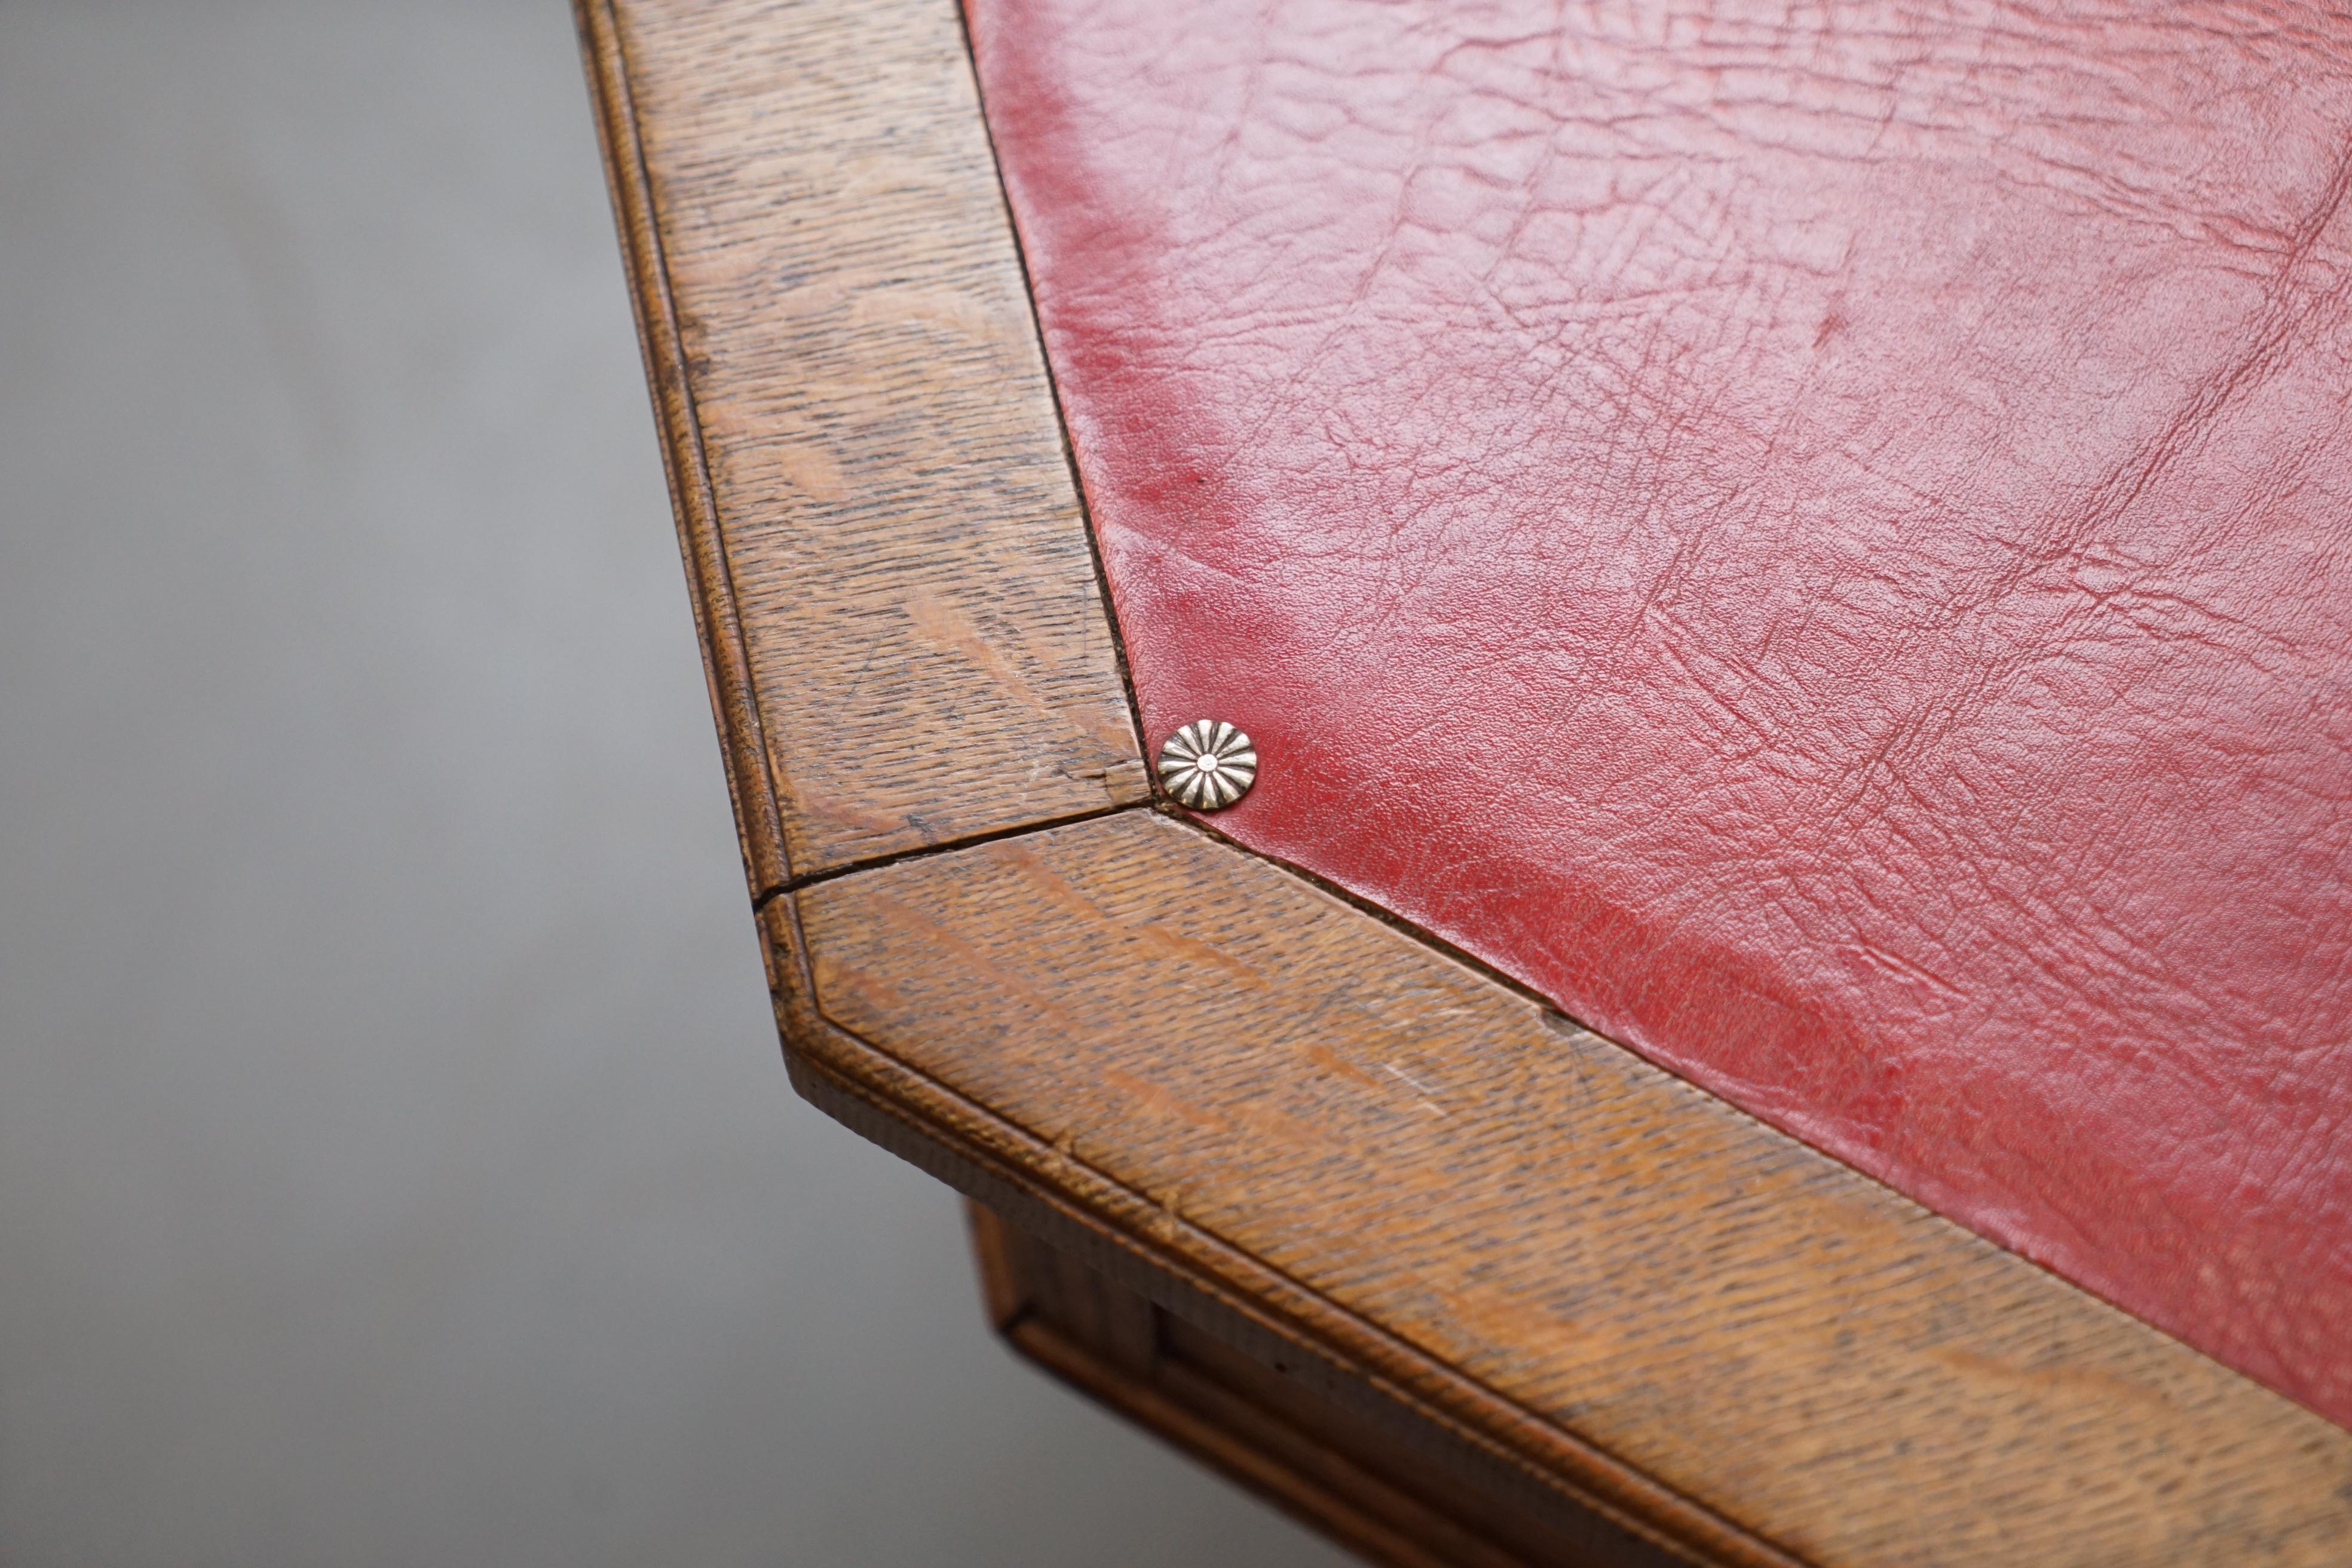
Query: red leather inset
(1822, 540)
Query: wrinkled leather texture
(1821, 541)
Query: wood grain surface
(1282, 1118)
(1541, 1220)
(908, 645)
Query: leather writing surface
(1819, 539)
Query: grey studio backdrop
(395, 1166)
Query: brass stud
(1208, 764)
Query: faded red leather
(1822, 541)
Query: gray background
(395, 1166)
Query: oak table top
(1340, 1173)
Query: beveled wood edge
(726, 661)
(1067, 1358)
(1131, 1237)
